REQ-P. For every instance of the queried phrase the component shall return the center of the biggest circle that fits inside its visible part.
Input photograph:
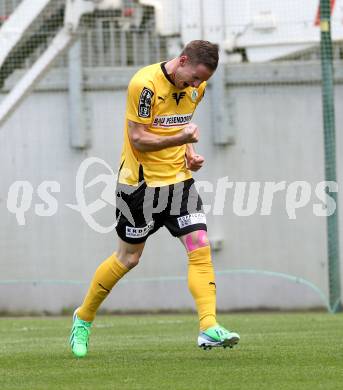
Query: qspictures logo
(243, 198)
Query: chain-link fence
(122, 37)
(7, 7)
(128, 36)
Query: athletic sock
(201, 283)
(106, 276)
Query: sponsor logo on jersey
(172, 120)
(191, 219)
(133, 232)
(178, 96)
(194, 95)
(144, 106)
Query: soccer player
(155, 188)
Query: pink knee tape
(200, 240)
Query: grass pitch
(277, 351)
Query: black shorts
(141, 211)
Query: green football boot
(217, 336)
(79, 336)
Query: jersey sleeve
(202, 89)
(140, 100)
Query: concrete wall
(276, 113)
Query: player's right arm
(145, 141)
(140, 102)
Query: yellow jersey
(154, 100)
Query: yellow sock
(201, 283)
(106, 276)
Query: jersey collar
(166, 75)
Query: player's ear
(184, 60)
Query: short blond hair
(202, 52)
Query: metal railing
(313, 53)
(108, 45)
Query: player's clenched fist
(190, 133)
(194, 162)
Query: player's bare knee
(132, 260)
(129, 254)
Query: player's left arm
(194, 161)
